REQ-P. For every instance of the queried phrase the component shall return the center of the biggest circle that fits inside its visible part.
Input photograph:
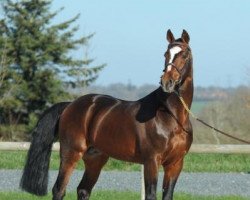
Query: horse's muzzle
(169, 86)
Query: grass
(193, 162)
(113, 195)
(217, 163)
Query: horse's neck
(187, 90)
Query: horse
(153, 131)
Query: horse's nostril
(171, 82)
(170, 85)
(177, 81)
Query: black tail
(35, 175)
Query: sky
(130, 37)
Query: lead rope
(206, 124)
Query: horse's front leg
(150, 178)
(171, 174)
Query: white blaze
(173, 52)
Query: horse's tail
(35, 175)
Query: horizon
(130, 37)
(130, 84)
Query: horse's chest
(165, 128)
(170, 134)
(158, 137)
(162, 131)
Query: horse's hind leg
(69, 159)
(93, 166)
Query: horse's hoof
(83, 195)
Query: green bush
(14, 132)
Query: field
(193, 162)
(113, 195)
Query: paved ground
(195, 183)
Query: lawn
(193, 162)
(113, 195)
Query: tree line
(133, 92)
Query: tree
(36, 57)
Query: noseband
(173, 65)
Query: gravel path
(194, 183)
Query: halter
(173, 65)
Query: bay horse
(154, 130)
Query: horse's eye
(166, 54)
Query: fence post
(142, 183)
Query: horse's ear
(170, 36)
(185, 36)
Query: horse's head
(178, 57)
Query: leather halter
(173, 65)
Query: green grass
(193, 162)
(113, 195)
(217, 163)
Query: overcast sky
(131, 37)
